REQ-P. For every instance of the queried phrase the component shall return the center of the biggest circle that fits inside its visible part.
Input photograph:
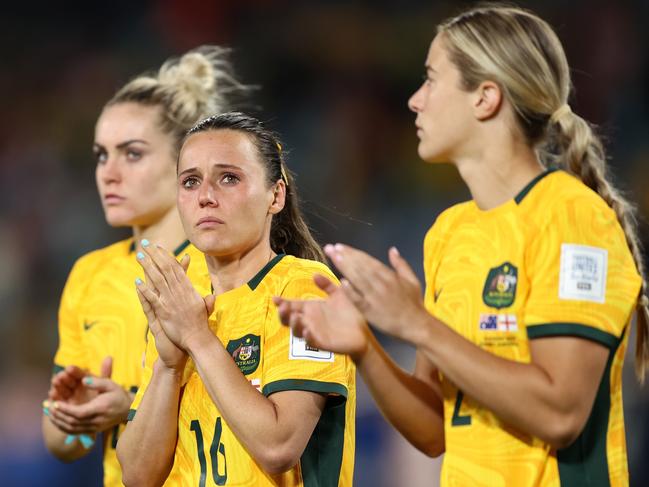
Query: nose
(109, 171)
(416, 101)
(207, 195)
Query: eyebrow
(429, 68)
(221, 166)
(123, 144)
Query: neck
(499, 171)
(232, 271)
(167, 231)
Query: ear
(279, 197)
(488, 100)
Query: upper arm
(298, 413)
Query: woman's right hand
(332, 324)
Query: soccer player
(102, 330)
(230, 396)
(530, 286)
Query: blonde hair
(187, 89)
(521, 52)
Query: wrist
(198, 340)
(359, 356)
(161, 369)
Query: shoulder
(446, 221)
(294, 268)
(95, 259)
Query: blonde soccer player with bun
(530, 286)
(230, 396)
(98, 364)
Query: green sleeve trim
(572, 329)
(304, 385)
(131, 414)
(57, 368)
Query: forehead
(437, 58)
(222, 146)
(125, 121)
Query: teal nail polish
(144, 242)
(140, 256)
(138, 281)
(87, 380)
(69, 439)
(86, 441)
(46, 411)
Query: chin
(118, 220)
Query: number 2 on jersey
(458, 420)
(216, 448)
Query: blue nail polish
(69, 439)
(86, 441)
(140, 256)
(144, 242)
(46, 411)
(138, 281)
(87, 380)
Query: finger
(77, 412)
(69, 423)
(100, 384)
(154, 276)
(64, 379)
(184, 262)
(167, 264)
(295, 322)
(210, 301)
(404, 271)
(286, 308)
(106, 367)
(76, 372)
(324, 283)
(357, 266)
(353, 294)
(148, 299)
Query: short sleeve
(289, 363)
(583, 280)
(71, 350)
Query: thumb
(184, 262)
(324, 283)
(107, 367)
(210, 300)
(404, 271)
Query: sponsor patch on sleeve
(583, 273)
(300, 350)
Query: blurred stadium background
(335, 78)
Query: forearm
(254, 419)
(55, 441)
(521, 394)
(146, 448)
(412, 406)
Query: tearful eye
(190, 182)
(230, 179)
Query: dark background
(335, 79)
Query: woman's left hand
(390, 299)
(181, 311)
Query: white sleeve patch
(583, 273)
(300, 350)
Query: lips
(113, 199)
(209, 221)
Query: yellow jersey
(553, 261)
(273, 360)
(100, 315)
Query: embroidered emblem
(245, 352)
(500, 287)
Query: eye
(190, 182)
(230, 179)
(100, 156)
(133, 155)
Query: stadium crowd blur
(335, 78)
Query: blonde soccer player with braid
(531, 286)
(98, 364)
